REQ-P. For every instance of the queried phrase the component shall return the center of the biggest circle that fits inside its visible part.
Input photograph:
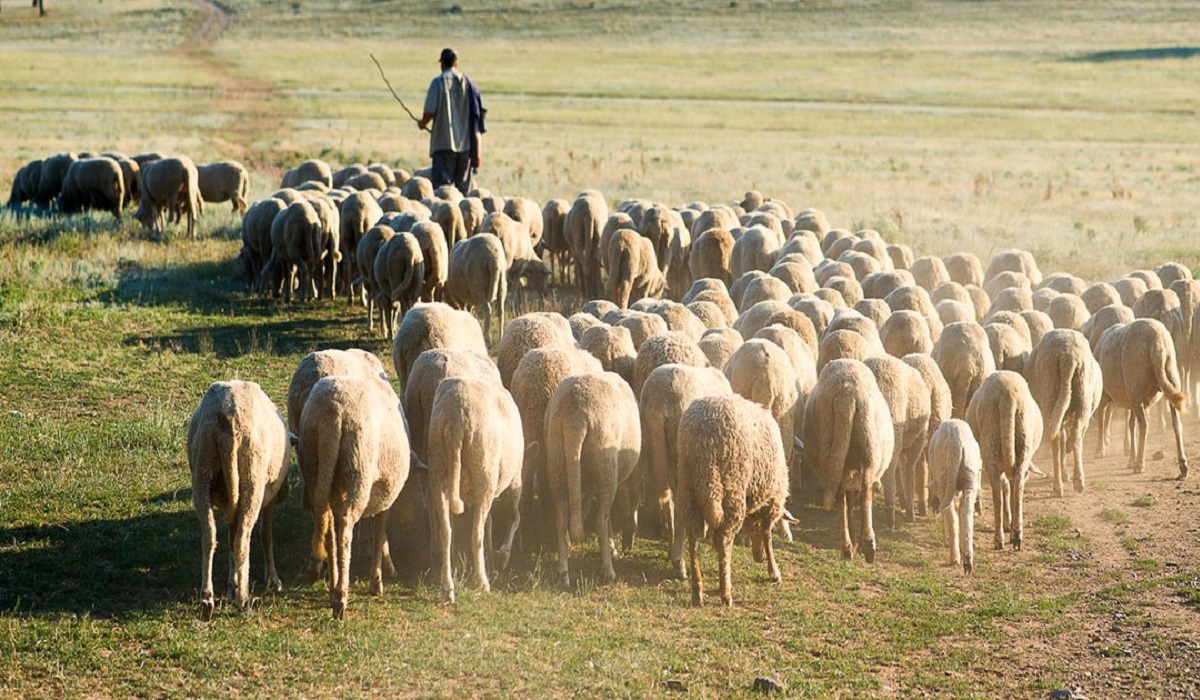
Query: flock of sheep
(74, 182)
(789, 360)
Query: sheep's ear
(293, 439)
(789, 518)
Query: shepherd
(455, 108)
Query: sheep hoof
(697, 601)
(376, 586)
(206, 609)
(339, 610)
(448, 597)
(1183, 469)
(608, 576)
(275, 584)
(868, 551)
(1078, 483)
(1016, 543)
(680, 570)
(998, 546)
(727, 601)
(968, 567)
(847, 552)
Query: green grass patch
(1145, 500)
(1114, 515)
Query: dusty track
(249, 102)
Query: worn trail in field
(248, 103)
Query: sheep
(915, 298)
(25, 184)
(908, 398)
(1067, 311)
(613, 347)
(526, 212)
(709, 313)
(432, 241)
(720, 217)
(50, 178)
(553, 242)
(848, 444)
(643, 326)
(309, 170)
(764, 288)
(418, 188)
(1130, 289)
(632, 268)
(851, 320)
(593, 440)
(1042, 297)
(449, 218)
(522, 334)
(1152, 280)
(1008, 425)
(929, 272)
(676, 266)
(756, 249)
(901, 256)
(581, 228)
(841, 344)
(964, 268)
(238, 451)
(730, 472)
(964, 355)
(433, 325)
(399, 270)
(1137, 360)
(477, 277)
(536, 377)
(430, 368)
(1009, 349)
(1067, 383)
(165, 183)
(905, 332)
(951, 291)
(875, 309)
(256, 239)
(955, 464)
(358, 214)
(368, 249)
(224, 181)
(662, 349)
(812, 220)
(797, 274)
(762, 372)
(847, 288)
(1013, 261)
(130, 176)
(710, 254)
(1103, 319)
(668, 391)
(719, 345)
(327, 363)
(475, 455)
(1014, 299)
(881, 284)
(93, 183)
(355, 457)
(295, 250)
(330, 246)
(952, 311)
(1038, 323)
(863, 264)
(1100, 295)
(657, 225)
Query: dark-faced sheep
(238, 450)
(730, 473)
(1007, 423)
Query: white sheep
(238, 450)
(954, 477)
(433, 325)
(730, 472)
(478, 277)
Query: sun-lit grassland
(944, 125)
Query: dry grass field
(1067, 128)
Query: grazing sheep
(1137, 360)
(164, 184)
(730, 471)
(593, 441)
(256, 239)
(295, 249)
(665, 348)
(238, 450)
(851, 320)
(880, 284)
(432, 241)
(359, 213)
(308, 171)
(477, 277)
(632, 268)
(764, 288)
(532, 330)
(952, 311)
(710, 255)
(914, 298)
(92, 183)
(905, 332)
(875, 309)
(430, 368)
(1008, 425)
(848, 444)
(355, 458)
(1009, 349)
(1067, 383)
(51, 176)
(613, 347)
(399, 269)
(797, 274)
(475, 455)
(331, 256)
(908, 398)
(668, 391)
(368, 249)
(762, 372)
(25, 184)
(224, 181)
(433, 325)
(954, 477)
(1103, 319)
(901, 256)
(965, 358)
(449, 217)
(526, 212)
(812, 220)
(581, 228)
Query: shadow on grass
(282, 337)
(1154, 54)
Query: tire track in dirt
(248, 102)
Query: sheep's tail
(622, 277)
(320, 458)
(1008, 438)
(455, 468)
(574, 466)
(1058, 411)
(711, 494)
(1166, 373)
(837, 445)
(227, 446)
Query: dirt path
(249, 102)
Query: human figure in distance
(454, 111)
